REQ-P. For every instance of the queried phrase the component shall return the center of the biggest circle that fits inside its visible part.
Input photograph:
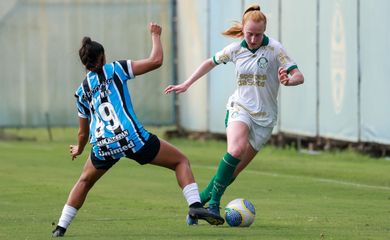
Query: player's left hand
(283, 76)
(155, 28)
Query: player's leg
(77, 196)
(246, 158)
(170, 157)
(205, 195)
(258, 136)
(88, 178)
(237, 139)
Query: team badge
(262, 62)
(234, 114)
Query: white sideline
(325, 180)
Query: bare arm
(82, 138)
(155, 60)
(203, 69)
(294, 78)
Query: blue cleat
(214, 208)
(191, 221)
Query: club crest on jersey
(262, 62)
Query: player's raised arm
(203, 69)
(155, 60)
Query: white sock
(68, 213)
(191, 193)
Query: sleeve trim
(215, 61)
(130, 69)
(291, 68)
(82, 115)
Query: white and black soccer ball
(240, 213)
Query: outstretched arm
(295, 77)
(203, 69)
(155, 60)
(83, 137)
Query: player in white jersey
(261, 65)
(106, 117)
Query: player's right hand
(176, 88)
(74, 151)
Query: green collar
(263, 43)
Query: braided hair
(92, 54)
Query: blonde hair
(253, 13)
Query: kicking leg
(237, 138)
(246, 158)
(170, 157)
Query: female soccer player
(106, 116)
(261, 64)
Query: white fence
(343, 57)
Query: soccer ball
(240, 213)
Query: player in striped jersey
(107, 118)
(261, 65)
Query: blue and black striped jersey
(103, 98)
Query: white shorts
(258, 135)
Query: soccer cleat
(214, 208)
(191, 221)
(59, 231)
(205, 214)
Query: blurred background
(341, 46)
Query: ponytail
(91, 54)
(234, 31)
(253, 13)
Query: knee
(85, 182)
(236, 151)
(183, 162)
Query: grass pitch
(340, 195)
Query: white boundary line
(324, 180)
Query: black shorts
(144, 156)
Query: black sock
(61, 228)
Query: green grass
(340, 195)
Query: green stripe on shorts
(226, 118)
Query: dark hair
(91, 54)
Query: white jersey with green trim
(257, 77)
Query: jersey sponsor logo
(223, 58)
(101, 87)
(252, 80)
(109, 152)
(262, 62)
(116, 138)
(283, 58)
